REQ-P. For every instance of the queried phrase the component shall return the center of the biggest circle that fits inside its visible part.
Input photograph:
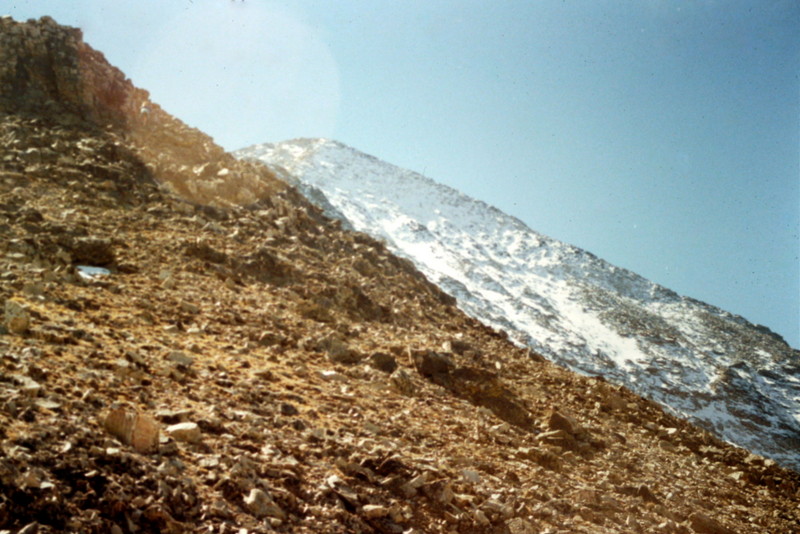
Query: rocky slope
(174, 360)
(736, 379)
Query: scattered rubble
(249, 366)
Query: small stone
(30, 528)
(667, 446)
(264, 374)
(402, 382)
(220, 508)
(181, 358)
(459, 346)
(331, 375)
(520, 526)
(703, 524)
(338, 351)
(471, 476)
(186, 432)
(261, 505)
(647, 495)
(344, 491)
(497, 507)
(383, 362)
(559, 421)
(47, 404)
(268, 339)
(288, 408)
(33, 478)
(190, 308)
(29, 386)
(418, 481)
(480, 518)
(17, 317)
(372, 511)
(614, 402)
(429, 363)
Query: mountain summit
(736, 379)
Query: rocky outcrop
(47, 70)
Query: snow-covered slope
(734, 378)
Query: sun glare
(219, 66)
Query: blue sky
(661, 135)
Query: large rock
(132, 428)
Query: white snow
(579, 311)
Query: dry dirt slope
(247, 366)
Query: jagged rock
(260, 504)
(431, 364)
(343, 490)
(189, 307)
(496, 507)
(203, 251)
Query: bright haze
(663, 136)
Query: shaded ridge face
(47, 70)
(177, 355)
(738, 380)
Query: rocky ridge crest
(176, 358)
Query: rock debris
(249, 366)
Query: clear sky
(661, 135)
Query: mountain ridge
(510, 277)
(189, 345)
